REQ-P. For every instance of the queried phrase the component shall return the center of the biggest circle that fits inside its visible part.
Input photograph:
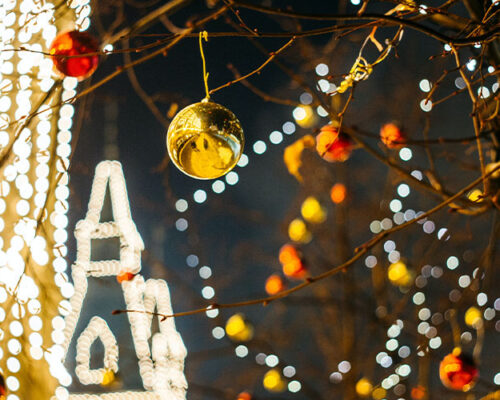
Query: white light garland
(161, 367)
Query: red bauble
(332, 146)
(65, 48)
(392, 136)
(124, 276)
(458, 372)
(3, 389)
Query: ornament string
(204, 35)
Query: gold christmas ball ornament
(205, 140)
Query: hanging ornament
(338, 193)
(205, 140)
(124, 276)
(274, 382)
(68, 54)
(392, 136)
(312, 211)
(399, 275)
(333, 146)
(304, 116)
(457, 371)
(364, 387)
(274, 284)
(239, 329)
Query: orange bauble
(274, 284)
(392, 136)
(332, 146)
(3, 389)
(65, 50)
(458, 372)
(124, 276)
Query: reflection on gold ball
(205, 140)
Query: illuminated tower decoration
(162, 366)
(35, 136)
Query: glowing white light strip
(40, 151)
(161, 367)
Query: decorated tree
(328, 224)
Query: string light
(161, 366)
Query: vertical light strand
(35, 147)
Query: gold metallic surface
(205, 140)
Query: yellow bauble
(205, 140)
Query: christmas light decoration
(298, 232)
(312, 211)
(399, 274)
(274, 382)
(274, 284)
(35, 137)
(392, 136)
(161, 366)
(72, 54)
(338, 193)
(305, 116)
(291, 262)
(244, 396)
(457, 371)
(205, 140)
(239, 329)
(364, 387)
(473, 317)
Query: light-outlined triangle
(96, 329)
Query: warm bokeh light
(274, 382)
(379, 393)
(288, 253)
(274, 284)
(364, 387)
(338, 193)
(244, 396)
(238, 328)
(473, 317)
(392, 136)
(313, 211)
(457, 371)
(399, 274)
(68, 54)
(298, 232)
(304, 116)
(418, 392)
(291, 261)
